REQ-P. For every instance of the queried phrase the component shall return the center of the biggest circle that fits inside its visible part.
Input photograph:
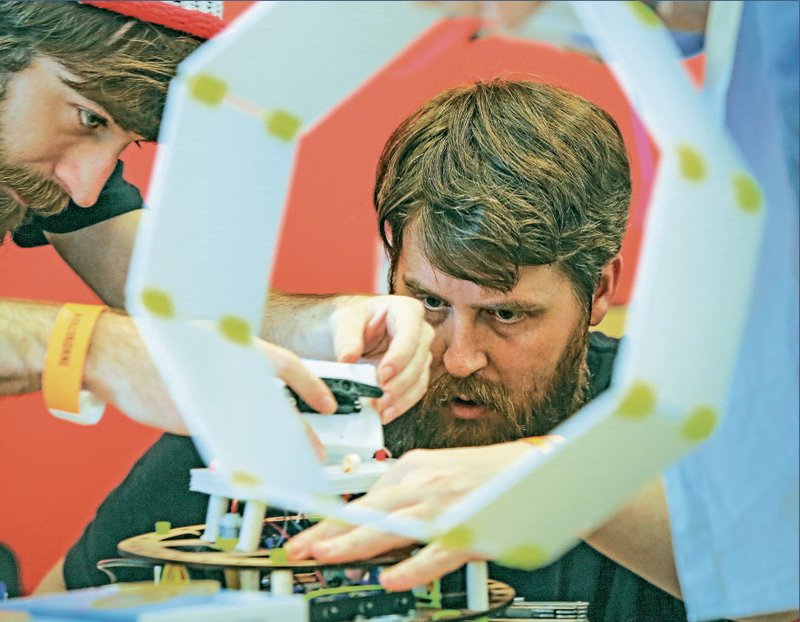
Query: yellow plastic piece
(174, 574)
(281, 124)
(700, 423)
(645, 14)
(163, 527)
(208, 89)
(458, 538)
(748, 193)
(158, 302)
(245, 479)
(226, 544)
(527, 557)
(692, 163)
(236, 329)
(639, 402)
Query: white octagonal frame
(229, 137)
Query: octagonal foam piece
(229, 137)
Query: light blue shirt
(734, 504)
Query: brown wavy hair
(504, 174)
(121, 63)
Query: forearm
(638, 537)
(53, 581)
(24, 331)
(300, 323)
(100, 254)
(118, 368)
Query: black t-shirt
(157, 488)
(117, 197)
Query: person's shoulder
(602, 343)
(600, 359)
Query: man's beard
(538, 410)
(39, 195)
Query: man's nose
(464, 354)
(83, 173)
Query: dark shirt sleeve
(117, 197)
(157, 488)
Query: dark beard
(42, 196)
(537, 412)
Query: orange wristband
(62, 378)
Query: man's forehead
(536, 285)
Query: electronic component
(553, 611)
(358, 602)
(346, 392)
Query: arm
(118, 367)
(343, 328)
(423, 483)
(100, 254)
(24, 331)
(638, 537)
(53, 581)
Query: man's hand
(389, 331)
(392, 331)
(421, 485)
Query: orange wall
(54, 474)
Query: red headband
(203, 19)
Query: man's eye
(431, 303)
(507, 315)
(90, 120)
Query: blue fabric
(734, 503)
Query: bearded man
(502, 207)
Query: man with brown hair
(502, 206)
(78, 84)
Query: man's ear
(603, 296)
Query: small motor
(346, 392)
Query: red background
(54, 474)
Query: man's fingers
(387, 497)
(409, 332)
(291, 370)
(359, 543)
(430, 563)
(349, 324)
(405, 389)
(299, 547)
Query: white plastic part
(250, 581)
(217, 507)
(281, 582)
(478, 586)
(90, 410)
(252, 522)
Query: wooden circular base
(183, 545)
